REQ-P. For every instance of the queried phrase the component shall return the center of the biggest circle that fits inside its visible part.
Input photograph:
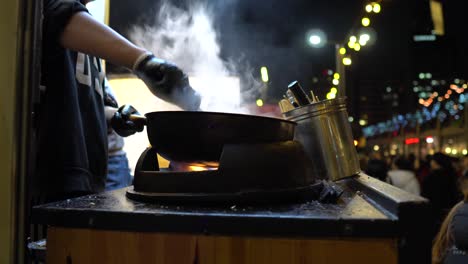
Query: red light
(410, 141)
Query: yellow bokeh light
(448, 150)
(355, 142)
(333, 90)
(365, 21)
(352, 39)
(377, 8)
(357, 47)
(336, 76)
(331, 96)
(365, 37)
(342, 51)
(368, 8)
(259, 102)
(347, 61)
(335, 82)
(351, 44)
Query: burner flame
(196, 166)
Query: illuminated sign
(410, 141)
(419, 38)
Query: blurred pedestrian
(440, 187)
(402, 176)
(376, 166)
(363, 159)
(412, 161)
(424, 168)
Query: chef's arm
(165, 80)
(84, 34)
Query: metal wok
(200, 136)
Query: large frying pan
(200, 136)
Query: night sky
(272, 33)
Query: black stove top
(246, 173)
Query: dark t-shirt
(72, 134)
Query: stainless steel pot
(324, 131)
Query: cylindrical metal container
(324, 131)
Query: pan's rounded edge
(203, 113)
(171, 133)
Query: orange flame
(195, 166)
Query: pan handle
(138, 120)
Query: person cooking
(72, 122)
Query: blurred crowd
(439, 178)
(436, 177)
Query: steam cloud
(188, 38)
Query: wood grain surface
(76, 246)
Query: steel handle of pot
(138, 120)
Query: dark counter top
(367, 207)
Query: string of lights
(433, 105)
(360, 35)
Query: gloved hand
(122, 124)
(167, 81)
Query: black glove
(122, 124)
(168, 82)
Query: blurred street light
(347, 61)
(365, 21)
(264, 73)
(357, 47)
(369, 8)
(363, 39)
(316, 38)
(331, 95)
(367, 36)
(377, 8)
